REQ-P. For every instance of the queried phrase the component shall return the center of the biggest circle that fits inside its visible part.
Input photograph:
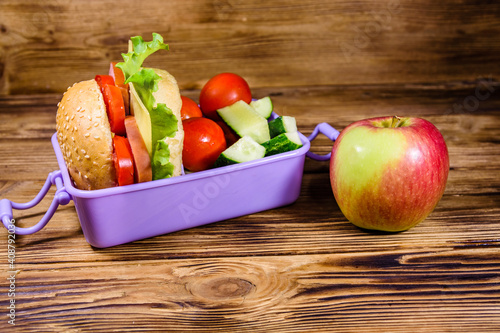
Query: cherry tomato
(203, 142)
(229, 133)
(123, 160)
(115, 108)
(189, 108)
(223, 90)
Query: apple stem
(395, 121)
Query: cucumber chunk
(282, 143)
(282, 124)
(244, 150)
(263, 106)
(244, 120)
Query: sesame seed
(87, 135)
(87, 157)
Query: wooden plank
(298, 268)
(45, 47)
(464, 218)
(368, 291)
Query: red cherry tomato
(203, 142)
(123, 160)
(223, 90)
(229, 133)
(189, 108)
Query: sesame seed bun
(84, 135)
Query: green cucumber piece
(282, 143)
(244, 120)
(282, 124)
(244, 150)
(263, 106)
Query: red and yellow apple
(389, 173)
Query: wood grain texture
(297, 268)
(47, 46)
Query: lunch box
(119, 215)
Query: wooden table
(297, 268)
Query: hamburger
(125, 127)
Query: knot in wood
(224, 288)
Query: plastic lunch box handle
(330, 132)
(61, 197)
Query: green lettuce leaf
(140, 51)
(161, 165)
(145, 81)
(163, 120)
(163, 123)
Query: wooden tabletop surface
(302, 267)
(298, 268)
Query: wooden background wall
(47, 45)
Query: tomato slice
(115, 108)
(123, 160)
(142, 161)
(103, 80)
(117, 74)
(119, 78)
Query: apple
(389, 173)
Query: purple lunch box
(119, 215)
